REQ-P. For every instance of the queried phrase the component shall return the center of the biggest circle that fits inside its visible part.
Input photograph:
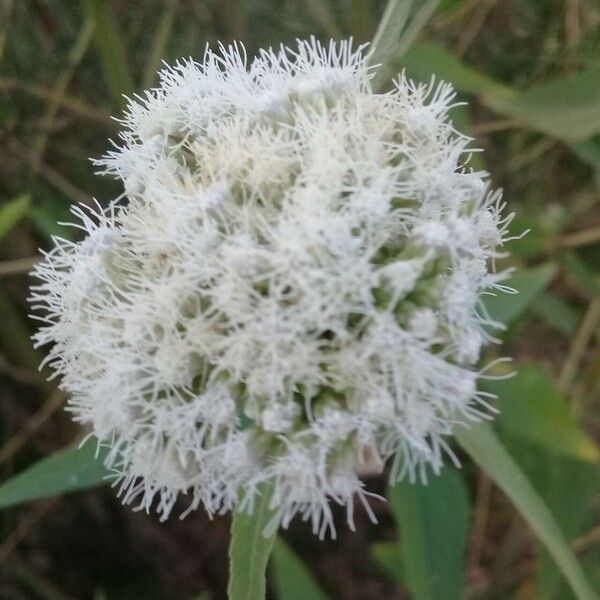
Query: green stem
(249, 551)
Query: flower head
(288, 292)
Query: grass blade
(566, 108)
(159, 43)
(412, 30)
(481, 443)
(66, 471)
(383, 46)
(12, 212)
(112, 51)
(319, 10)
(544, 418)
(398, 29)
(59, 89)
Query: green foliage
(434, 523)
(532, 408)
(12, 212)
(529, 283)
(487, 451)
(15, 341)
(582, 274)
(400, 25)
(112, 50)
(567, 108)
(389, 557)
(529, 73)
(552, 474)
(292, 579)
(70, 470)
(557, 313)
(427, 58)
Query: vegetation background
(530, 70)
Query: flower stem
(249, 551)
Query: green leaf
(15, 341)
(551, 474)
(427, 58)
(421, 13)
(434, 523)
(112, 51)
(249, 551)
(389, 557)
(383, 46)
(12, 212)
(529, 283)
(535, 242)
(46, 215)
(66, 471)
(567, 108)
(532, 408)
(481, 443)
(160, 39)
(573, 511)
(589, 151)
(585, 276)
(320, 11)
(293, 580)
(400, 25)
(557, 313)
(449, 6)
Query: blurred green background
(530, 72)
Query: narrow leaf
(434, 523)
(584, 275)
(384, 44)
(12, 212)
(533, 408)
(112, 51)
(15, 341)
(389, 557)
(589, 151)
(551, 474)
(426, 58)
(399, 27)
(320, 11)
(557, 312)
(293, 580)
(529, 283)
(66, 471)
(567, 108)
(249, 551)
(421, 16)
(481, 443)
(574, 512)
(160, 39)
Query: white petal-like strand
(288, 292)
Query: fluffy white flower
(289, 292)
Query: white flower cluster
(287, 294)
